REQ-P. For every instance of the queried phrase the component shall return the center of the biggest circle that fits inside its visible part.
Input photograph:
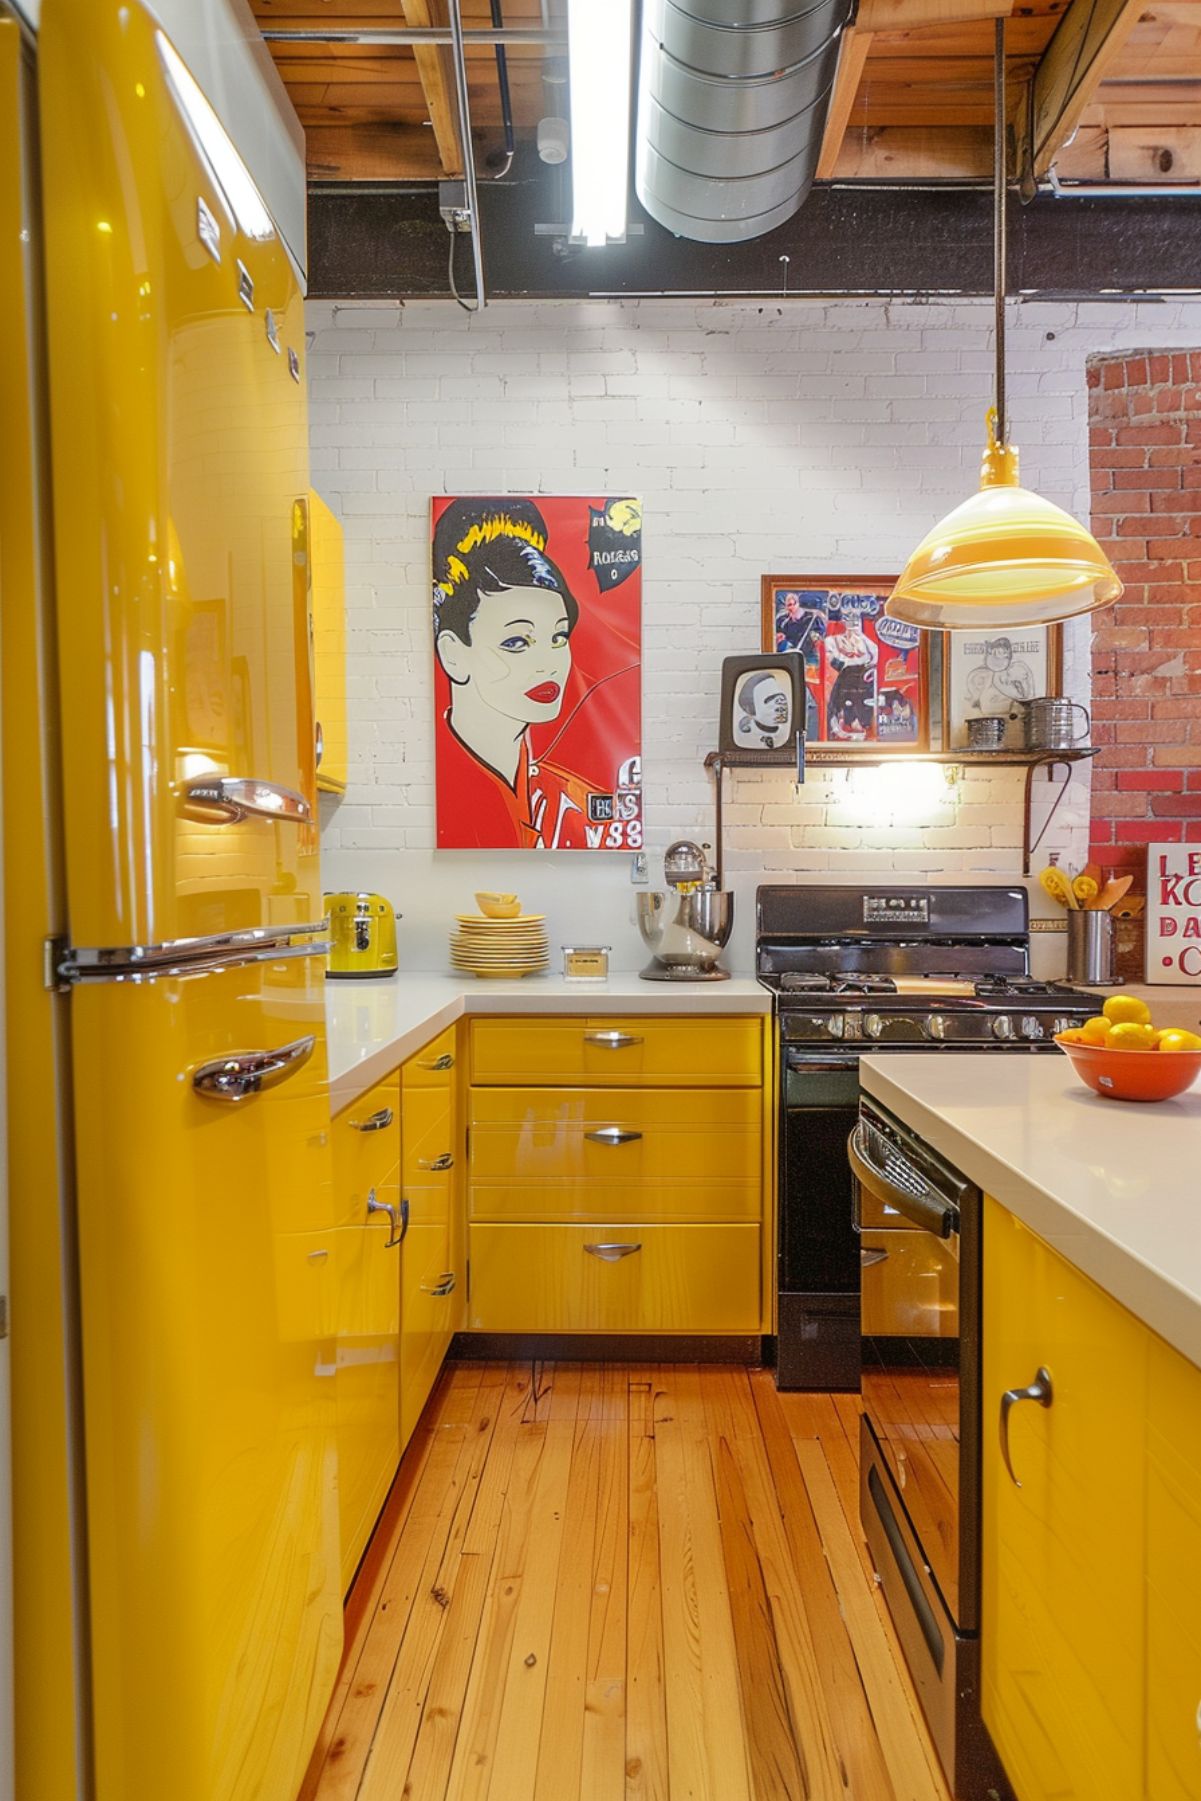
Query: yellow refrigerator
(191, 964)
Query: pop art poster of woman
(537, 612)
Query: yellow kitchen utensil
(1054, 882)
(1085, 889)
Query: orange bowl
(1133, 1075)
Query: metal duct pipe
(732, 103)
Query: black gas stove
(868, 971)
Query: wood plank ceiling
(1115, 87)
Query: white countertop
(374, 1024)
(1112, 1185)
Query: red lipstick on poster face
(543, 694)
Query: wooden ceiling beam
(437, 84)
(1086, 44)
(852, 54)
(917, 15)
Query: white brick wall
(762, 437)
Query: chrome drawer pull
(445, 1161)
(868, 1259)
(377, 1122)
(612, 1135)
(398, 1219)
(445, 1061)
(611, 1253)
(226, 799)
(612, 1041)
(1040, 1390)
(238, 1076)
(445, 1286)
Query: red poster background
(585, 765)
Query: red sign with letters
(1174, 913)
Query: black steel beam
(885, 239)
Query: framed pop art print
(867, 677)
(986, 672)
(762, 703)
(537, 651)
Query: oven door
(910, 1322)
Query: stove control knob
(1061, 1023)
(873, 1024)
(834, 1025)
(1002, 1026)
(936, 1026)
(1032, 1026)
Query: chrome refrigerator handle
(243, 1073)
(398, 1218)
(226, 799)
(1040, 1390)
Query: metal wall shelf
(837, 756)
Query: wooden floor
(606, 1582)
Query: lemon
(1095, 1030)
(1176, 1038)
(1124, 1009)
(1131, 1035)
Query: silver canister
(1047, 722)
(987, 732)
(1091, 947)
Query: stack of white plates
(500, 948)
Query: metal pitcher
(1046, 722)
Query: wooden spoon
(1112, 893)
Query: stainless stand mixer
(687, 927)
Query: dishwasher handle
(925, 1208)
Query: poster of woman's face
(984, 673)
(761, 703)
(537, 621)
(866, 676)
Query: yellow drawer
(693, 1051)
(592, 1200)
(428, 1305)
(433, 1066)
(614, 1135)
(366, 1138)
(675, 1279)
(429, 1146)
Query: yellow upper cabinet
(1062, 1636)
(180, 465)
(327, 571)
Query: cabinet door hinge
(55, 960)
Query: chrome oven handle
(245, 1073)
(925, 1210)
(227, 799)
(1040, 1390)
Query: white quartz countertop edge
(374, 1024)
(1114, 1187)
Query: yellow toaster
(362, 935)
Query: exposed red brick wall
(1145, 459)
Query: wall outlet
(638, 870)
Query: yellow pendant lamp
(1006, 557)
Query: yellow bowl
(498, 906)
(1133, 1075)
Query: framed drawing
(537, 616)
(866, 677)
(762, 702)
(985, 673)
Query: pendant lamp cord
(999, 222)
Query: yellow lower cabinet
(429, 1298)
(432, 1066)
(366, 1139)
(604, 1051)
(368, 1325)
(1173, 1688)
(614, 1278)
(1063, 1637)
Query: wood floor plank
(908, 1753)
(561, 1747)
(602, 1771)
(646, 1710)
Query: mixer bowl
(686, 933)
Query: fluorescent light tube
(600, 61)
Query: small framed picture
(983, 673)
(867, 677)
(762, 703)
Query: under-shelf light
(600, 63)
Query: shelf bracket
(1048, 763)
